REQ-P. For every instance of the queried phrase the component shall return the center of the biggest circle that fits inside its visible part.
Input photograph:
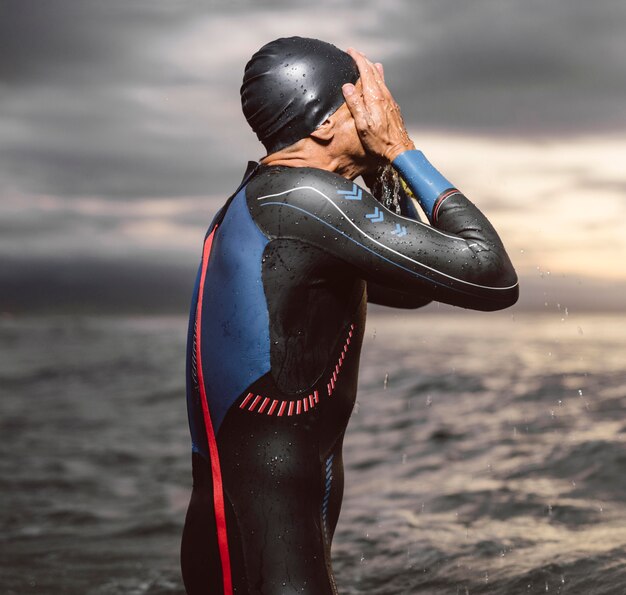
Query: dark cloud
(85, 102)
(512, 67)
(88, 285)
(85, 41)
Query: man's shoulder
(291, 183)
(290, 201)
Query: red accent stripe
(440, 200)
(216, 471)
(305, 402)
(316, 396)
(334, 377)
(290, 412)
(271, 410)
(311, 403)
(245, 401)
(330, 390)
(254, 403)
(347, 342)
(337, 368)
(298, 408)
(263, 405)
(282, 408)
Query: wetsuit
(274, 341)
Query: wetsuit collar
(252, 165)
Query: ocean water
(486, 454)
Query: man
(277, 322)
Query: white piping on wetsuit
(395, 214)
(387, 247)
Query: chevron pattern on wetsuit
(275, 335)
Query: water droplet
(386, 381)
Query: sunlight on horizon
(558, 204)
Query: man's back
(275, 336)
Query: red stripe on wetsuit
(442, 197)
(216, 471)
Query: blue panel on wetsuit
(235, 319)
(194, 409)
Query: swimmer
(288, 266)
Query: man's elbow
(504, 290)
(505, 298)
(501, 287)
(403, 301)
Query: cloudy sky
(121, 133)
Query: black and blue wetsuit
(274, 341)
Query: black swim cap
(291, 85)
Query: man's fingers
(373, 88)
(354, 101)
(378, 74)
(378, 89)
(375, 70)
(363, 65)
(379, 66)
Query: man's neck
(319, 160)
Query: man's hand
(376, 115)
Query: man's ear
(325, 131)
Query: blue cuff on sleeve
(422, 178)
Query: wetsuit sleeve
(387, 296)
(458, 260)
